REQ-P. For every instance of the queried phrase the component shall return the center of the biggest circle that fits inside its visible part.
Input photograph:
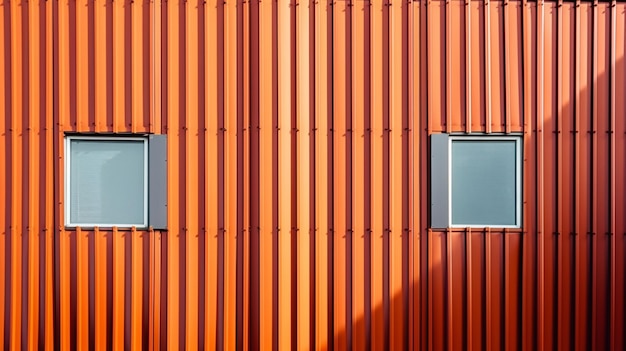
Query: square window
(476, 181)
(109, 181)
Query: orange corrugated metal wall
(298, 174)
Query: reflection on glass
(483, 182)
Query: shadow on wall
(558, 283)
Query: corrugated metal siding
(26, 139)
(298, 174)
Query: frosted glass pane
(107, 182)
(483, 182)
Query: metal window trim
(67, 166)
(157, 183)
(439, 198)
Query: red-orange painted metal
(298, 180)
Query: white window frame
(67, 168)
(518, 179)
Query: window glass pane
(483, 182)
(107, 182)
